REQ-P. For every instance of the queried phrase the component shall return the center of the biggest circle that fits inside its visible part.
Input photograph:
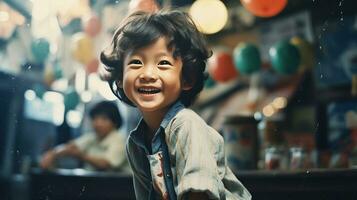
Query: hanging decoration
(209, 83)
(221, 67)
(71, 99)
(209, 15)
(264, 8)
(83, 48)
(285, 57)
(306, 52)
(39, 90)
(92, 25)
(40, 49)
(92, 66)
(143, 5)
(247, 58)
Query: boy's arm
(196, 154)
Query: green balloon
(39, 90)
(71, 99)
(247, 58)
(40, 49)
(285, 57)
(57, 71)
(209, 82)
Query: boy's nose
(148, 74)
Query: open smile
(148, 90)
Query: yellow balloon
(306, 52)
(209, 15)
(82, 48)
(48, 76)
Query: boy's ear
(186, 85)
(119, 84)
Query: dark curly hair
(108, 109)
(141, 29)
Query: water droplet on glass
(29, 67)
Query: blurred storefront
(281, 89)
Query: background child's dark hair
(108, 109)
(141, 29)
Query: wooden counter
(302, 185)
(264, 185)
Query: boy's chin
(150, 107)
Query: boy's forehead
(158, 43)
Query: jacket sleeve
(197, 156)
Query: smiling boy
(157, 64)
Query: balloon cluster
(286, 57)
(83, 47)
(71, 97)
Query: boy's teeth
(148, 90)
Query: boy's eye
(134, 62)
(164, 62)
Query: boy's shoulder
(189, 119)
(187, 115)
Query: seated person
(103, 150)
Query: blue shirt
(195, 154)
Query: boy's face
(152, 77)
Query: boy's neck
(153, 121)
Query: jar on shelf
(270, 136)
(274, 158)
(297, 158)
(240, 135)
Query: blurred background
(281, 90)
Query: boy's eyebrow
(163, 54)
(141, 54)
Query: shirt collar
(138, 133)
(175, 108)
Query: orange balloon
(92, 66)
(221, 67)
(143, 5)
(264, 8)
(92, 26)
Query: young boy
(157, 64)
